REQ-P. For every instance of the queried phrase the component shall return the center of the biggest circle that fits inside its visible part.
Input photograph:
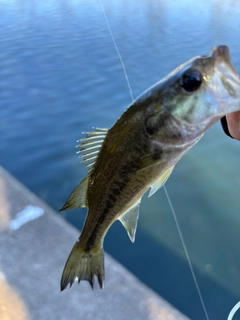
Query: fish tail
(83, 265)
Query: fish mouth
(221, 55)
(227, 88)
(229, 76)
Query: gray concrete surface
(31, 261)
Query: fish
(140, 151)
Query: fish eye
(191, 80)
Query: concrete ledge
(31, 261)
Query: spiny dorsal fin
(77, 198)
(90, 146)
(129, 220)
(160, 181)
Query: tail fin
(83, 265)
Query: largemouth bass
(140, 151)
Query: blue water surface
(60, 75)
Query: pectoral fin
(77, 198)
(129, 220)
(160, 181)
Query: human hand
(231, 125)
(233, 121)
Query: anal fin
(159, 182)
(130, 219)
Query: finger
(233, 122)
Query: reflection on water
(60, 75)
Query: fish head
(209, 87)
(196, 95)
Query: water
(60, 75)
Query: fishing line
(186, 251)
(164, 187)
(116, 47)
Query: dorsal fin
(129, 220)
(77, 198)
(160, 181)
(90, 146)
